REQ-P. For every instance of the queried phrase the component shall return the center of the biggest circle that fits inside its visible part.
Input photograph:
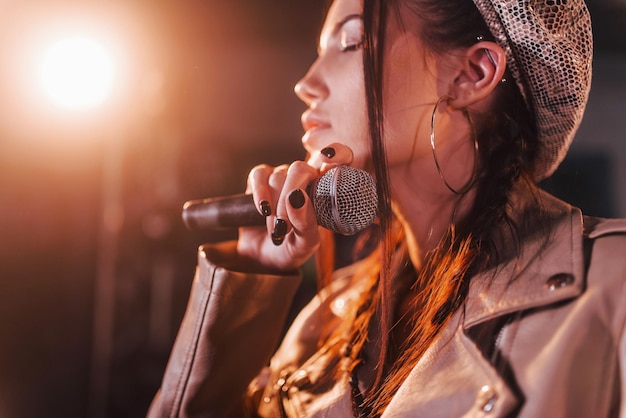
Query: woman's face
(333, 88)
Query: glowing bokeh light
(77, 73)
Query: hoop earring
(472, 179)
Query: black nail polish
(280, 230)
(328, 152)
(296, 199)
(266, 210)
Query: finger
(261, 189)
(330, 156)
(303, 219)
(299, 176)
(277, 227)
(257, 185)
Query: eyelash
(353, 47)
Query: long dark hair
(508, 145)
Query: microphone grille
(345, 200)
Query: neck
(426, 207)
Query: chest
(530, 365)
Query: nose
(312, 87)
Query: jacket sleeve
(230, 329)
(608, 264)
(618, 247)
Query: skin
(333, 90)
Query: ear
(480, 72)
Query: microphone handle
(227, 213)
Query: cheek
(357, 137)
(407, 136)
(401, 66)
(352, 119)
(402, 119)
(408, 94)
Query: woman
(483, 296)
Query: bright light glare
(77, 73)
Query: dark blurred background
(95, 264)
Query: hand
(291, 235)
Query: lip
(312, 122)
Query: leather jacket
(550, 343)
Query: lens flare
(77, 73)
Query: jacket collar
(547, 270)
(454, 378)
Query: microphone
(344, 198)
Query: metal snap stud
(300, 378)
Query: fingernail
(296, 199)
(266, 210)
(328, 152)
(280, 230)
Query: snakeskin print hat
(548, 46)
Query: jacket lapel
(454, 378)
(546, 272)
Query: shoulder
(605, 249)
(603, 227)
(606, 264)
(608, 240)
